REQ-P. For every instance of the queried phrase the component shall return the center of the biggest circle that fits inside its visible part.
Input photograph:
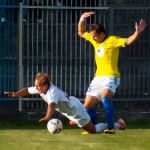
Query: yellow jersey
(106, 54)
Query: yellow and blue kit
(106, 54)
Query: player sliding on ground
(58, 100)
(107, 76)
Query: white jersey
(71, 107)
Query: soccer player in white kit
(58, 100)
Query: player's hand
(42, 119)
(86, 15)
(9, 94)
(139, 27)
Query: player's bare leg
(90, 128)
(90, 103)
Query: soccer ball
(54, 126)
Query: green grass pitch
(34, 136)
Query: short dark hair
(98, 28)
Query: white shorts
(100, 83)
(80, 116)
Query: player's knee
(90, 102)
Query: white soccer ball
(54, 126)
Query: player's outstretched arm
(139, 28)
(81, 25)
(21, 92)
(50, 111)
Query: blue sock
(109, 111)
(92, 114)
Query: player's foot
(109, 131)
(122, 124)
(72, 123)
(84, 132)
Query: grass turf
(31, 135)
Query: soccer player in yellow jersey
(107, 76)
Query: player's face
(97, 37)
(42, 88)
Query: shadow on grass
(21, 124)
(34, 124)
(28, 124)
(138, 124)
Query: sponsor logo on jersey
(100, 51)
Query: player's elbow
(132, 39)
(128, 42)
(81, 34)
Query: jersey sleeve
(119, 42)
(89, 38)
(33, 90)
(53, 96)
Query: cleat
(72, 123)
(84, 132)
(122, 124)
(109, 131)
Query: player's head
(42, 82)
(98, 32)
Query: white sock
(116, 125)
(101, 127)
